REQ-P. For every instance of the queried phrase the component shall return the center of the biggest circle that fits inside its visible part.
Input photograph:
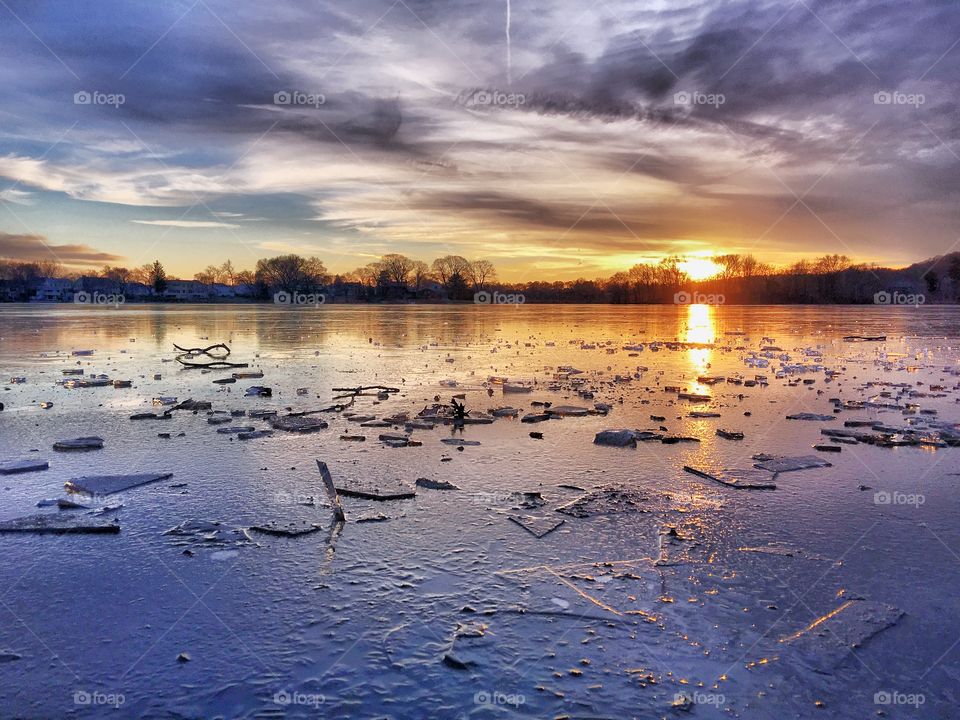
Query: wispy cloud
(186, 223)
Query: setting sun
(699, 268)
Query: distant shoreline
(462, 303)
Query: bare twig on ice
(217, 361)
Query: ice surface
(677, 585)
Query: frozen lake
(837, 589)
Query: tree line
(741, 279)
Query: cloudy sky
(556, 138)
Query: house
(245, 290)
(54, 290)
(186, 291)
(340, 291)
(431, 290)
(137, 291)
(220, 291)
(92, 284)
(395, 291)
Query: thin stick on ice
(331, 491)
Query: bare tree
(482, 272)
(141, 274)
(420, 274)
(292, 273)
(117, 274)
(451, 271)
(397, 268)
(368, 274)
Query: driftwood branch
(358, 390)
(203, 351)
(339, 407)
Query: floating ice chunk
(10, 467)
(616, 438)
(827, 641)
(436, 484)
(59, 523)
(376, 490)
(254, 434)
(109, 484)
(569, 411)
(810, 416)
(515, 388)
(606, 501)
(83, 443)
(297, 424)
(748, 479)
(781, 464)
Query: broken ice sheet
(607, 501)
(82, 443)
(538, 526)
(826, 642)
(811, 416)
(782, 550)
(376, 489)
(675, 546)
(109, 484)
(288, 529)
(59, 524)
(205, 533)
(747, 479)
(781, 464)
(10, 467)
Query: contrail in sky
(509, 60)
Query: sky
(556, 138)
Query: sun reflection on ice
(701, 328)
